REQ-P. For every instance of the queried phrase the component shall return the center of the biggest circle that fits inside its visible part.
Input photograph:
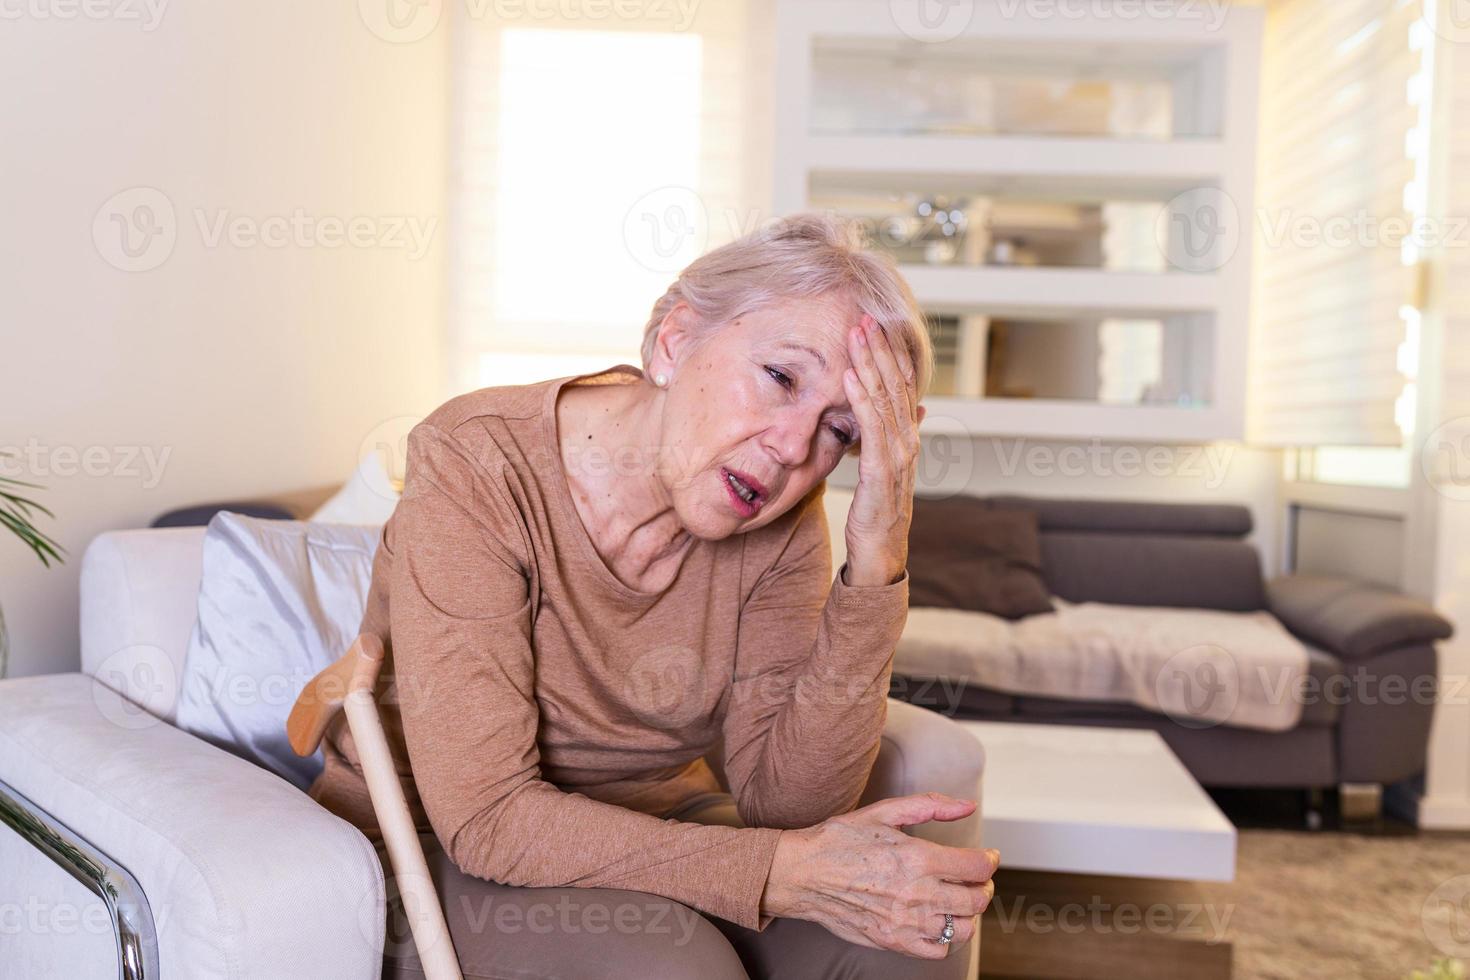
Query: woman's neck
(609, 437)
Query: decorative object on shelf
(16, 513)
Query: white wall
(242, 368)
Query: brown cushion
(963, 555)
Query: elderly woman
(592, 581)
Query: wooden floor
(1077, 927)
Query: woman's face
(755, 415)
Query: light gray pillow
(278, 602)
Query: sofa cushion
(1321, 704)
(1202, 667)
(1131, 516)
(964, 555)
(278, 602)
(1153, 570)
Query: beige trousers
(503, 932)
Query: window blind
(1341, 134)
(593, 158)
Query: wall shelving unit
(1022, 103)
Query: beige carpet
(1333, 905)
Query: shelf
(1047, 418)
(1114, 164)
(1046, 292)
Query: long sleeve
(461, 630)
(811, 684)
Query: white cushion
(279, 601)
(138, 598)
(368, 496)
(246, 876)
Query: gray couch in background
(1372, 661)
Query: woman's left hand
(882, 391)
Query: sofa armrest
(923, 751)
(1353, 619)
(245, 876)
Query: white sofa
(133, 849)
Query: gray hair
(800, 256)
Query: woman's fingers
(866, 366)
(900, 388)
(887, 366)
(959, 900)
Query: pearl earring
(660, 379)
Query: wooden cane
(348, 685)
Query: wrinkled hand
(866, 881)
(882, 391)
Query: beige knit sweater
(554, 717)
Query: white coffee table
(1110, 801)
